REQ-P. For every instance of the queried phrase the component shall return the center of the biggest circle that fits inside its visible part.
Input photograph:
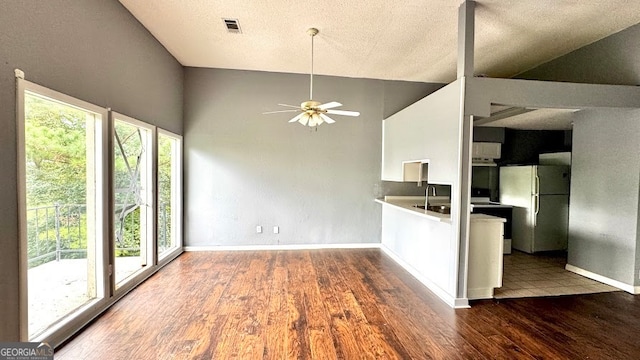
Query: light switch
(259, 229)
(276, 229)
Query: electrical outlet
(276, 229)
(259, 229)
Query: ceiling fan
(312, 113)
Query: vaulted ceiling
(409, 40)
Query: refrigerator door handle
(536, 204)
(536, 208)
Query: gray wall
(244, 169)
(400, 94)
(94, 50)
(604, 215)
(612, 60)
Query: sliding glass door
(61, 162)
(133, 220)
(90, 225)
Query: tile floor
(543, 275)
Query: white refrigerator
(539, 195)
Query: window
(169, 193)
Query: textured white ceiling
(381, 39)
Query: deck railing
(59, 231)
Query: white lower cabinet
(485, 258)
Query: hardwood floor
(342, 304)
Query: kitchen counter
(408, 204)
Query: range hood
(483, 162)
(485, 153)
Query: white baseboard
(603, 279)
(283, 247)
(456, 303)
(461, 303)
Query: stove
(485, 202)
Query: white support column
(466, 122)
(466, 24)
(466, 31)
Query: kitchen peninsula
(420, 239)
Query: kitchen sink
(443, 209)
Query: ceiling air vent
(233, 26)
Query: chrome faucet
(433, 193)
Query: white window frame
(70, 324)
(177, 198)
(151, 259)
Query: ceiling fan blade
(343, 112)
(296, 118)
(329, 105)
(291, 106)
(327, 119)
(304, 119)
(279, 111)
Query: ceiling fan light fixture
(304, 119)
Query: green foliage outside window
(165, 160)
(55, 149)
(56, 173)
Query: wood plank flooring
(342, 304)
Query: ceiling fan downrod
(312, 32)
